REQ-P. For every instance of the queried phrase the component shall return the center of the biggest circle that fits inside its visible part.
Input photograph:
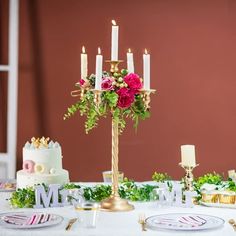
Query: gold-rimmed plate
(29, 220)
(184, 222)
(7, 185)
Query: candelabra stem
(114, 202)
(188, 178)
(115, 160)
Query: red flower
(107, 83)
(82, 82)
(133, 81)
(126, 97)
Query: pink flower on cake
(133, 81)
(107, 83)
(126, 97)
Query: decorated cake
(42, 164)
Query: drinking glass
(107, 176)
(87, 213)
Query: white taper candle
(130, 61)
(84, 64)
(146, 70)
(98, 80)
(114, 41)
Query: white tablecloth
(119, 223)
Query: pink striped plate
(29, 220)
(184, 222)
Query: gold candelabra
(114, 202)
(146, 95)
(188, 178)
(114, 65)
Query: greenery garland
(128, 189)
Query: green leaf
(111, 98)
(210, 178)
(71, 186)
(124, 72)
(97, 193)
(23, 198)
(160, 177)
(92, 79)
(92, 119)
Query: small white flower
(120, 79)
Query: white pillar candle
(98, 80)
(130, 61)
(231, 173)
(188, 155)
(84, 64)
(146, 70)
(114, 41)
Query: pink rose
(107, 83)
(133, 81)
(126, 97)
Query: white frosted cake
(42, 163)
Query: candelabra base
(115, 203)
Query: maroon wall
(193, 55)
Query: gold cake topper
(40, 142)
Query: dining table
(117, 223)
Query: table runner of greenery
(128, 189)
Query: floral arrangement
(121, 96)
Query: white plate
(4, 182)
(54, 220)
(7, 190)
(220, 205)
(184, 222)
